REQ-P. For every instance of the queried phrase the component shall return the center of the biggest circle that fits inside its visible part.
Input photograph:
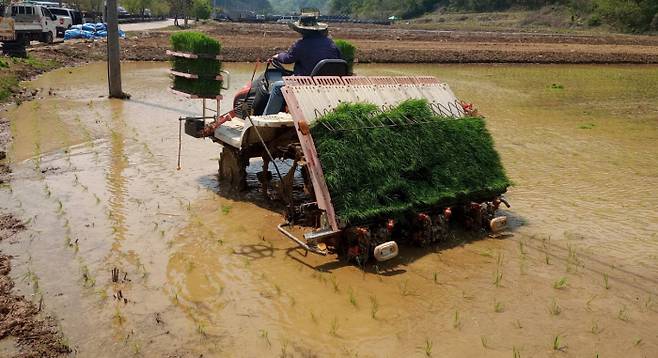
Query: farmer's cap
(308, 22)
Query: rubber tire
(15, 49)
(232, 170)
(48, 37)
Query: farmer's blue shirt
(306, 52)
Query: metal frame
(311, 155)
(311, 97)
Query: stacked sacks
(206, 65)
(88, 31)
(391, 171)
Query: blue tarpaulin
(88, 31)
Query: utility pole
(113, 55)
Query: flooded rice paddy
(199, 273)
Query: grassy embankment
(13, 70)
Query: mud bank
(24, 329)
(251, 42)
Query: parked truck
(64, 20)
(25, 22)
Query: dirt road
(151, 25)
(383, 44)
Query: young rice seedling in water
(334, 327)
(457, 322)
(427, 348)
(560, 284)
(623, 314)
(595, 328)
(374, 307)
(499, 307)
(498, 275)
(557, 345)
(515, 352)
(554, 308)
(483, 339)
(353, 298)
(266, 336)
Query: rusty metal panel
(7, 32)
(357, 80)
(311, 155)
(327, 80)
(298, 80)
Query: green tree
(293, 6)
(136, 6)
(90, 5)
(201, 9)
(625, 15)
(160, 8)
(628, 15)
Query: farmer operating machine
(363, 163)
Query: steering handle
(279, 66)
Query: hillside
(621, 15)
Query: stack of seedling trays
(196, 65)
(348, 53)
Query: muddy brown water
(203, 274)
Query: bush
(347, 51)
(388, 171)
(629, 16)
(594, 20)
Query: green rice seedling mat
(195, 42)
(388, 164)
(204, 88)
(201, 67)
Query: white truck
(25, 22)
(64, 21)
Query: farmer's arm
(291, 56)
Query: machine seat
(331, 67)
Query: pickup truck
(64, 21)
(24, 22)
(75, 15)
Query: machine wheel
(232, 170)
(358, 246)
(48, 37)
(15, 49)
